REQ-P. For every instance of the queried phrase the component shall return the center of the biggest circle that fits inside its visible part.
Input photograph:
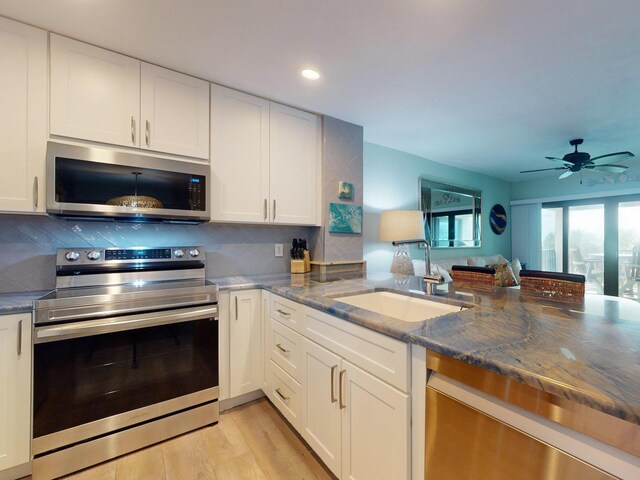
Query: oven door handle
(117, 324)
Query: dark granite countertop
(587, 352)
(20, 302)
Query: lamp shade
(396, 225)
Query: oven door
(98, 376)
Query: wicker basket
(552, 287)
(473, 279)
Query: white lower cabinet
(322, 416)
(245, 342)
(329, 390)
(375, 427)
(15, 390)
(285, 394)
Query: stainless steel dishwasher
(483, 426)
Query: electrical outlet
(279, 250)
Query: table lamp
(398, 226)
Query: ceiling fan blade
(543, 169)
(602, 159)
(556, 159)
(566, 174)
(607, 168)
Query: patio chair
(632, 271)
(590, 268)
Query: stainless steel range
(125, 354)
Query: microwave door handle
(117, 324)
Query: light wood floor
(250, 442)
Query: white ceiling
(490, 85)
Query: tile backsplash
(28, 245)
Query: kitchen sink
(403, 307)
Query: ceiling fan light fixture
(310, 74)
(576, 161)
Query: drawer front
(285, 394)
(382, 356)
(286, 349)
(287, 312)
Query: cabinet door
(15, 401)
(375, 427)
(95, 93)
(293, 162)
(321, 415)
(239, 157)
(265, 371)
(23, 123)
(174, 109)
(245, 346)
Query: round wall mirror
(498, 219)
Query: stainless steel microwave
(102, 184)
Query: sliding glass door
(586, 245)
(599, 239)
(628, 249)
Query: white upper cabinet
(102, 96)
(174, 112)
(239, 156)
(265, 161)
(95, 93)
(294, 161)
(23, 122)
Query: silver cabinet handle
(236, 298)
(282, 312)
(281, 348)
(333, 381)
(35, 193)
(265, 209)
(133, 129)
(286, 399)
(274, 209)
(147, 130)
(341, 381)
(20, 338)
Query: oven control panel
(110, 257)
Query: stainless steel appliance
(99, 183)
(125, 354)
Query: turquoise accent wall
(391, 183)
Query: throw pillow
(504, 275)
(437, 269)
(495, 259)
(477, 262)
(516, 267)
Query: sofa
(443, 266)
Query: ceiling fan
(577, 161)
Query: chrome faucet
(429, 278)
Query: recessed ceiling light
(310, 74)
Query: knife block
(301, 266)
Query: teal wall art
(345, 218)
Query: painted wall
(28, 245)
(341, 160)
(391, 183)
